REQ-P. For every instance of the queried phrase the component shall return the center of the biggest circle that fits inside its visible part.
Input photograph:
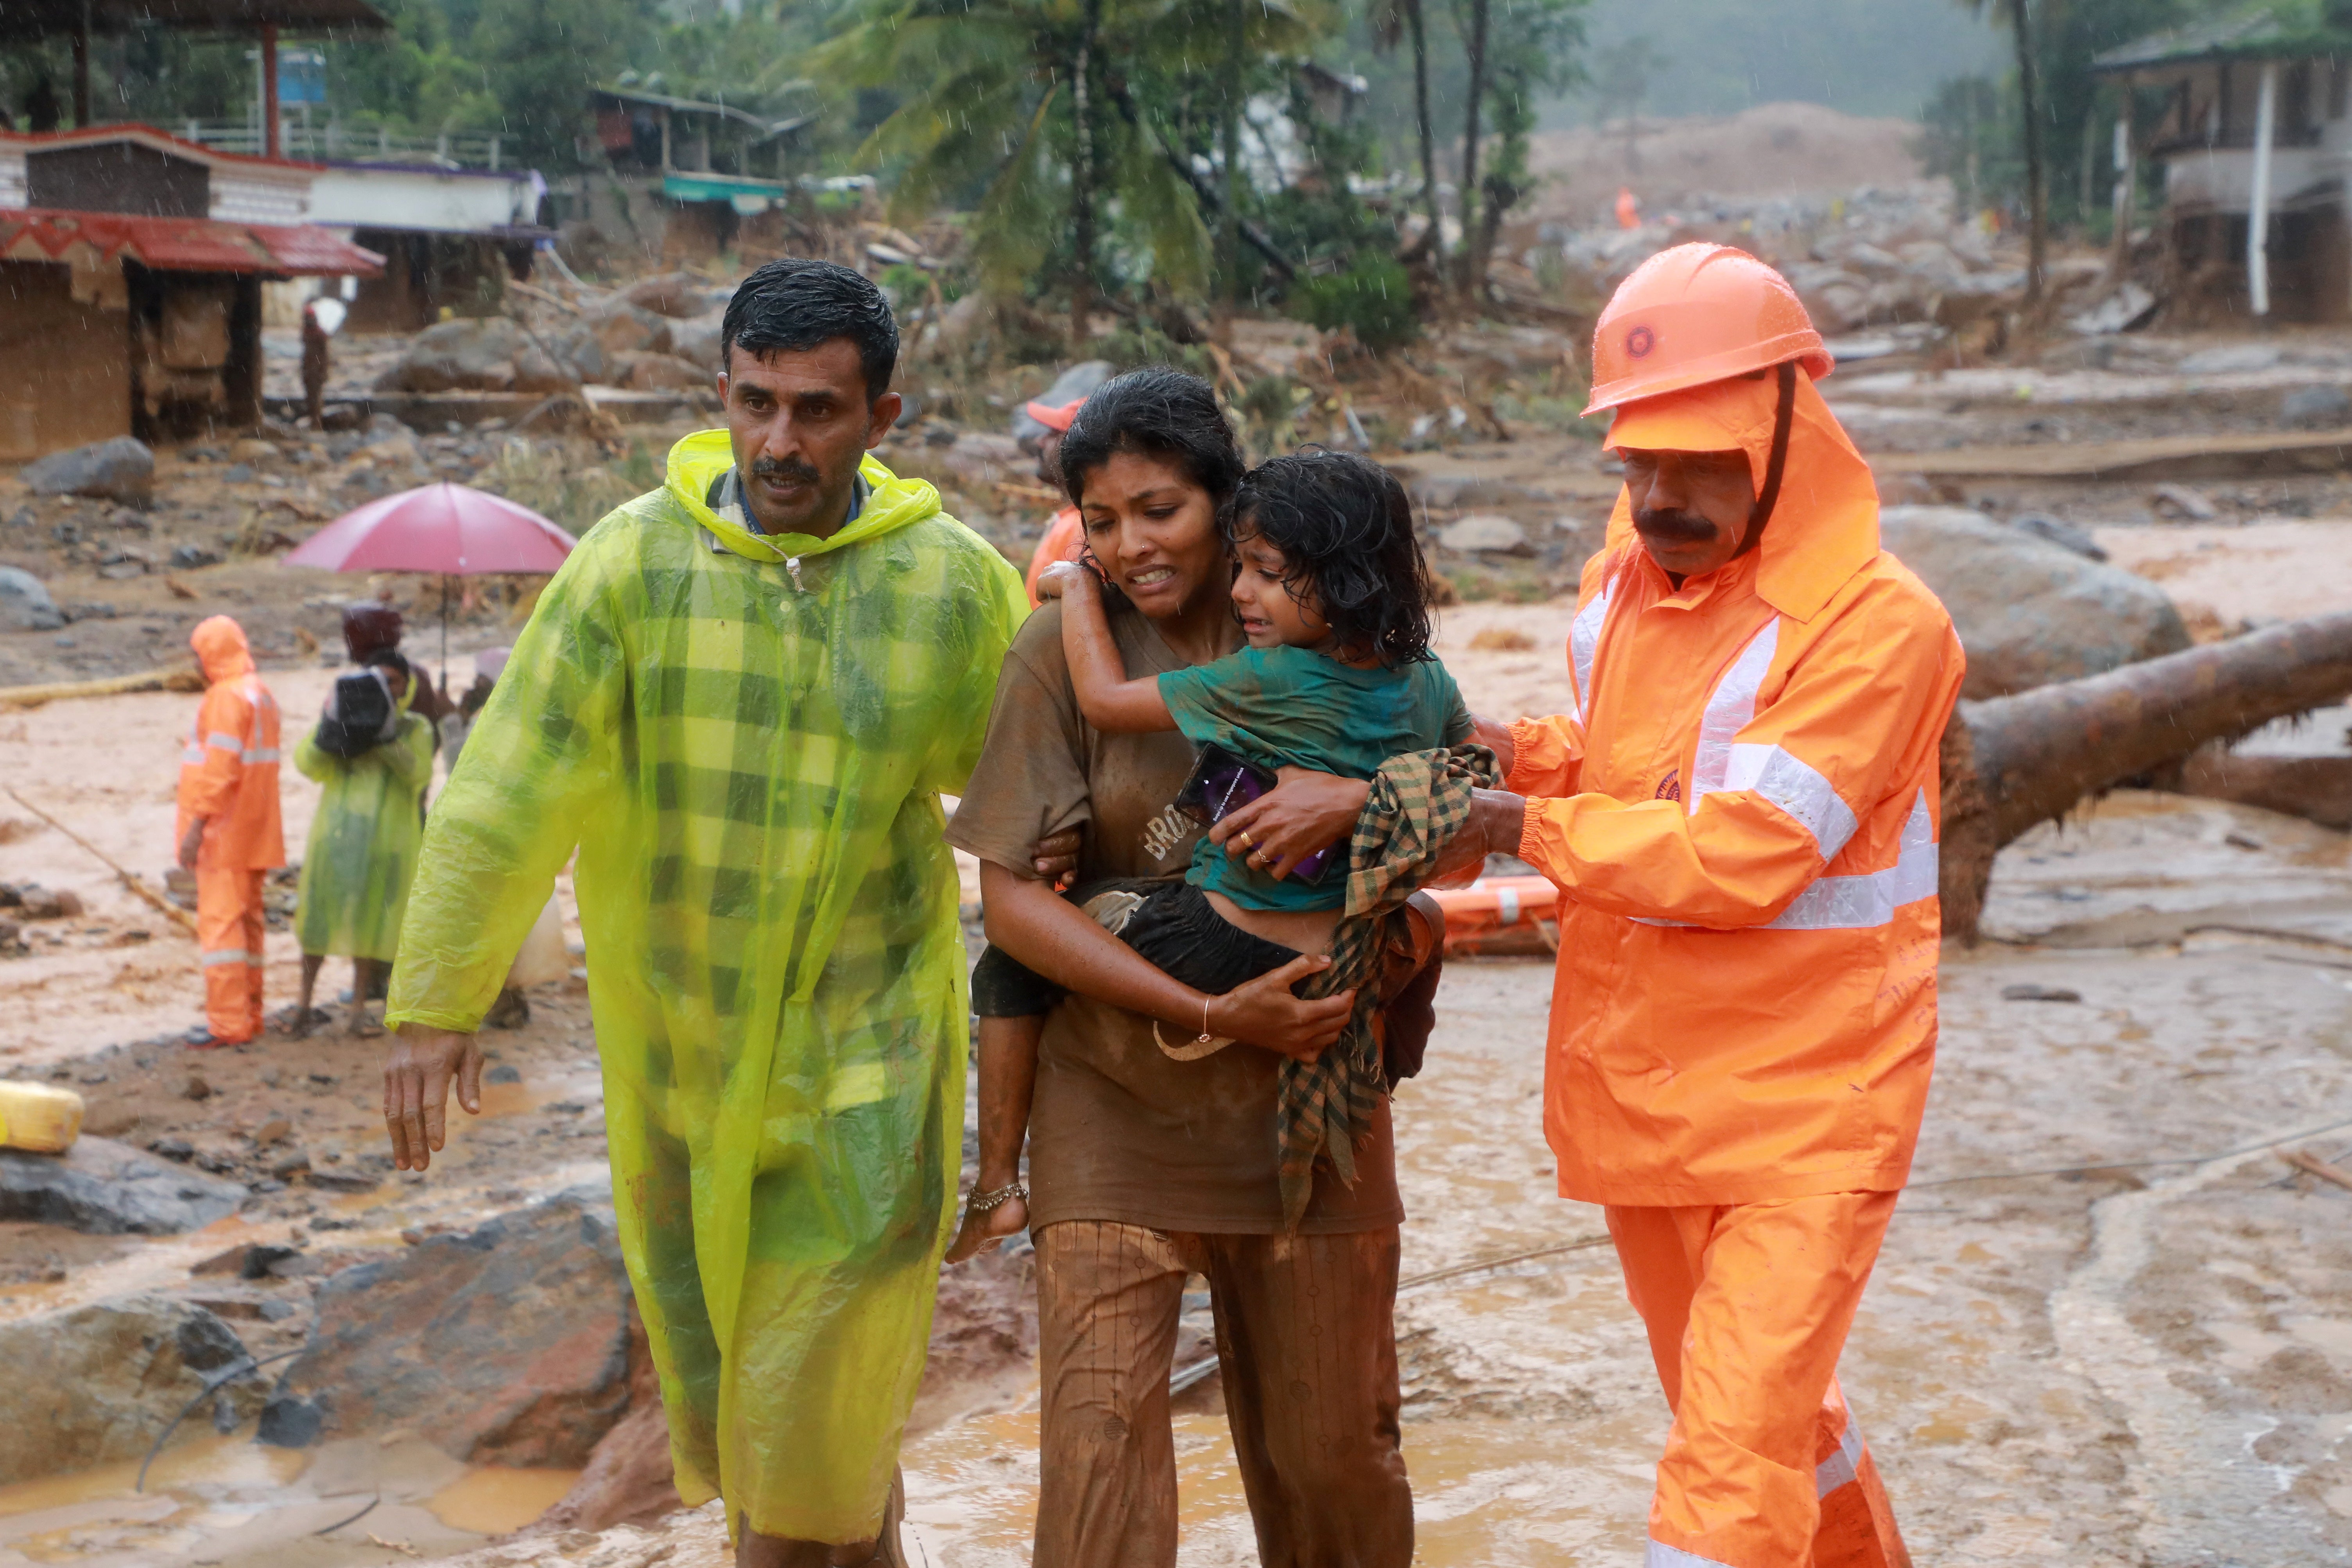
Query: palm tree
(1009, 98)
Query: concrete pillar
(2126, 185)
(2258, 213)
(269, 89)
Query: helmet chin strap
(1784, 415)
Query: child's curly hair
(1345, 530)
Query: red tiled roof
(181, 244)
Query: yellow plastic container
(38, 1116)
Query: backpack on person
(360, 715)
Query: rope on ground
(171, 677)
(244, 1368)
(130, 879)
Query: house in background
(128, 305)
(2255, 140)
(683, 176)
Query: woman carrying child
(1153, 1153)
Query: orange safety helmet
(1695, 313)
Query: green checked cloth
(1419, 802)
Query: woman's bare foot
(361, 1026)
(986, 1229)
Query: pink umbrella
(443, 527)
(449, 530)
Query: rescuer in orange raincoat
(228, 827)
(1741, 811)
(1066, 537)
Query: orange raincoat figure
(1741, 814)
(228, 830)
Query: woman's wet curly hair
(1345, 530)
(1158, 413)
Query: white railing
(337, 144)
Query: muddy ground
(2112, 1326)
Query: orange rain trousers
(229, 931)
(1747, 1306)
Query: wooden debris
(179, 590)
(2311, 1165)
(170, 912)
(174, 678)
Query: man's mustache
(784, 470)
(1672, 525)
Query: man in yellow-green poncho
(740, 700)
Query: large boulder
(97, 1385)
(107, 1188)
(465, 355)
(2029, 611)
(507, 1344)
(622, 328)
(24, 603)
(674, 294)
(698, 338)
(120, 470)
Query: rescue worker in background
(314, 364)
(1740, 809)
(1066, 537)
(364, 838)
(229, 832)
(740, 699)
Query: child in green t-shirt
(1333, 597)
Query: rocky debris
(661, 373)
(122, 468)
(113, 1375)
(507, 1344)
(107, 1188)
(24, 603)
(1486, 532)
(2315, 407)
(2029, 611)
(677, 294)
(36, 903)
(621, 328)
(696, 340)
(253, 1260)
(489, 355)
(2180, 501)
(2060, 533)
(628, 1478)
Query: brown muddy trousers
(1310, 1379)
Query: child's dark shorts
(1171, 924)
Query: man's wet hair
(1344, 526)
(793, 304)
(1156, 413)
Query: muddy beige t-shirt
(1118, 1131)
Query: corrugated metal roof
(2277, 28)
(181, 244)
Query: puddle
(233, 1502)
(492, 1499)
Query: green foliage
(1972, 128)
(1372, 298)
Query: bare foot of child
(986, 1229)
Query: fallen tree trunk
(2014, 761)
(171, 677)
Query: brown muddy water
(2111, 1326)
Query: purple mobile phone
(1222, 783)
